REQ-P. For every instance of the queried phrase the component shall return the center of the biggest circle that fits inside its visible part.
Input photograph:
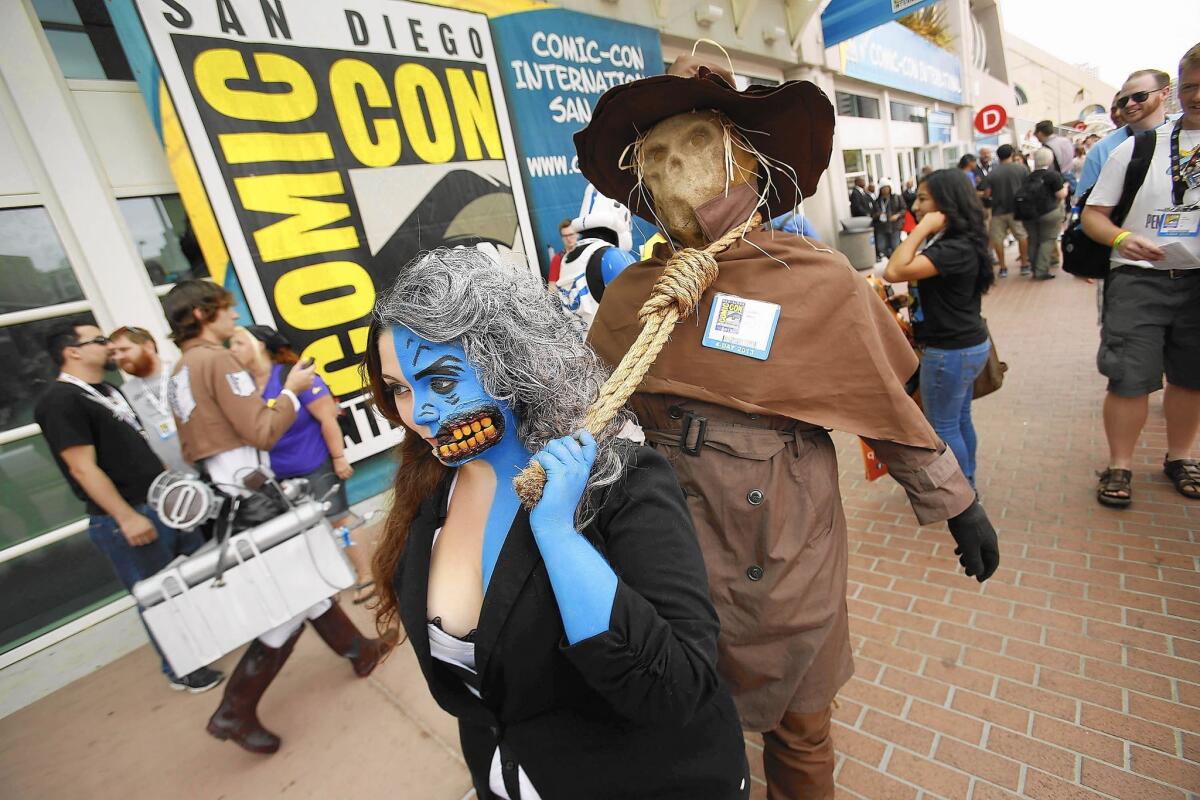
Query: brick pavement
(1073, 673)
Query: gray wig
(529, 352)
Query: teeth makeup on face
(458, 434)
(475, 426)
(487, 422)
(444, 450)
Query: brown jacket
(745, 438)
(217, 407)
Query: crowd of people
(591, 632)
(214, 412)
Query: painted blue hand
(584, 584)
(568, 463)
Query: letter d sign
(990, 119)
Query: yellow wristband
(1120, 237)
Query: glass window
(83, 39)
(907, 112)
(164, 238)
(855, 105)
(75, 55)
(746, 81)
(34, 497)
(51, 586)
(26, 369)
(853, 161)
(1019, 92)
(34, 270)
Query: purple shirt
(302, 448)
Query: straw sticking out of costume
(687, 274)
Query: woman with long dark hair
(947, 263)
(575, 642)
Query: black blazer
(636, 712)
(860, 203)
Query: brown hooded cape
(838, 359)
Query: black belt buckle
(686, 429)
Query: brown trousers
(798, 757)
(763, 495)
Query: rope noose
(675, 296)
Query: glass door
(904, 161)
(873, 160)
(929, 156)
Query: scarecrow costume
(747, 436)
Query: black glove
(978, 549)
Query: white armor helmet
(598, 211)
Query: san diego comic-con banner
(333, 141)
(555, 64)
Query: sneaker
(198, 681)
(1004, 272)
(1025, 271)
(1048, 276)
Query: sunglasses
(94, 340)
(1137, 97)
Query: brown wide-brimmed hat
(791, 123)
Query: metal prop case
(274, 572)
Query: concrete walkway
(1073, 673)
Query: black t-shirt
(1052, 181)
(947, 310)
(1004, 181)
(70, 417)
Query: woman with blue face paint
(575, 642)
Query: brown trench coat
(762, 484)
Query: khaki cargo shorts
(1003, 224)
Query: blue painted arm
(584, 584)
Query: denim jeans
(132, 564)
(947, 381)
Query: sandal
(1185, 474)
(1113, 482)
(359, 588)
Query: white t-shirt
(1154, 197)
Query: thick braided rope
(676, 293)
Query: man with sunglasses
(1141, 105)
(1150, 324)
(102, 450)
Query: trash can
(856, 240)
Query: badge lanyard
(1179, 170)
(160, 398)
(118, 405)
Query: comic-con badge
(166, 428)
(1178, 223)
(741, 326)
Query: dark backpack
(1033, 198)
(1084, 257)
